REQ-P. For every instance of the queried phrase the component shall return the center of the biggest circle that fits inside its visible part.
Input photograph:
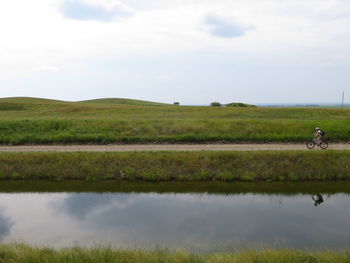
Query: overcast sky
(192, 51)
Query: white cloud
(45, 69)
(94, 10)
(225, 28)
(35, 35)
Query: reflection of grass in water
(260, 166)
(22, 253)
(277, 188)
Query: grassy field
(178, 166)
(31, 120)
(20, 253)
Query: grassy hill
(112, 101)
(33, 120)
(28, 100)
(119, 101)
(26, 107)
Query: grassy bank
(24, 120)
(25, 254)
(178, 166)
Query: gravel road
(167, 147)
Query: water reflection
(197, 222)
(5, 225)
(318, 199)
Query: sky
(191, 51)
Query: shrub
(129, 173)
(215, 104)
(226, 176)
(239, 104)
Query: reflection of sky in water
(193, 221)
(5, 225)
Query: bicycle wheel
(310, 145)
(324, 145)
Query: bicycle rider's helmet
(317, 128)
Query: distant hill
(124, 101)
(28, 100)
(112, 101)
(26, 103)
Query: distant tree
(176, 103)
(215, 104)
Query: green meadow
(41, 121)
(21, 253)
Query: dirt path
(167, 147)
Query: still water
(195, 222)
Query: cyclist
(319, 135)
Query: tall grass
(178, 166)
(20, 253)
(25, 120)
(131, 131)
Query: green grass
(257, 166)
(41, 131)
(31, 120)
(20, 253)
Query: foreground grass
(178, 166)
(28, 120)
(20, 253)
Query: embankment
(258, 166)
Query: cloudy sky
(192, 51)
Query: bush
(239, 104)
(226, 176)
(176, 103)
(215, 104)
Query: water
(195, 222)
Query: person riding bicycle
(319, 135)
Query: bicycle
(322, 144)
